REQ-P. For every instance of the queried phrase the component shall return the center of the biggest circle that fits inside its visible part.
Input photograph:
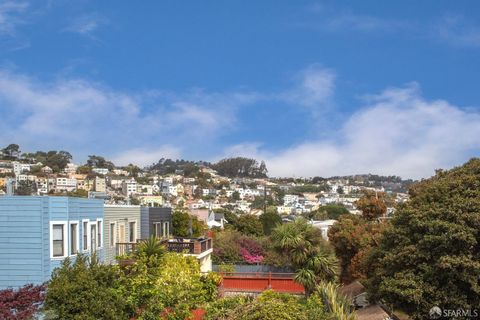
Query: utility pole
(265, 198)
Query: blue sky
(311, 87)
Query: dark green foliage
(56, 160)
(240, 167)
(84, 289)
(270, 220)
(249, 224)
(25, 188)
(328, 211)
(99, 162)
(10, 152)
(185, 225)
(186, 167)
(431, 254)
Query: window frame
(113, 236)
(87, 234)
(134, 231)
(90, 225)
(64, 223)
(100, 233)
(77, 246)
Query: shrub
(22, 303)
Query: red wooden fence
(258, 282)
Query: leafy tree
(84, 170)
(249, 224)
(309, 254)
(372, 205)
(11, 152)
(331, 210)
(21, 304)
(235, 196)
(431, 254)
(340, 190)
(170, 290)
(337, 305)
(133, 170)
(241, 167)
(26, 188)
(85, 289)
(182, 223)
(270, 220)
(227, 247)
(99, 162)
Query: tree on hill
(56, 160)
(183, 223)
(241, 167)
(99, 162)
(431, 254)
(11, 152)
(26, 188)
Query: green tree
(431, 254)
(270, 220)
(309, 253)
(249, 224)
(11, 152)
(168, 291)
(99, 162)
(26, 188)
(183, 223)
(85, 289)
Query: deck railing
(180, 245)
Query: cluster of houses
(38, 232)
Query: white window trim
(100, 230)
(90, 224)
(135, 235)
(113, 236)
(88, 234)
(69, 237)
(65, 239)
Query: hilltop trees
(431, 254)
(99, 162)
(241, 167)
(11, 152)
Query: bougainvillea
(251, 251)
(22, 303)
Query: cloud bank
(396, 132)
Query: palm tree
(309, 254)
(152, 247)
(335, 303)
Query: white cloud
(86, 24)
(86, 118)
(397, 133)
(10, 12)
(314, 89)
(456, 30)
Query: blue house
(37, 233)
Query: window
(73, 238)
(93, 236)
(113, 234)
(85, 235)
(58, 240)
(166, 230)
(59, 244)
(157, 229)
(99, 233)
(132, 227)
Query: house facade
(38, 233)
(156, 222)
(121, 225)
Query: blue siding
(25, 234)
